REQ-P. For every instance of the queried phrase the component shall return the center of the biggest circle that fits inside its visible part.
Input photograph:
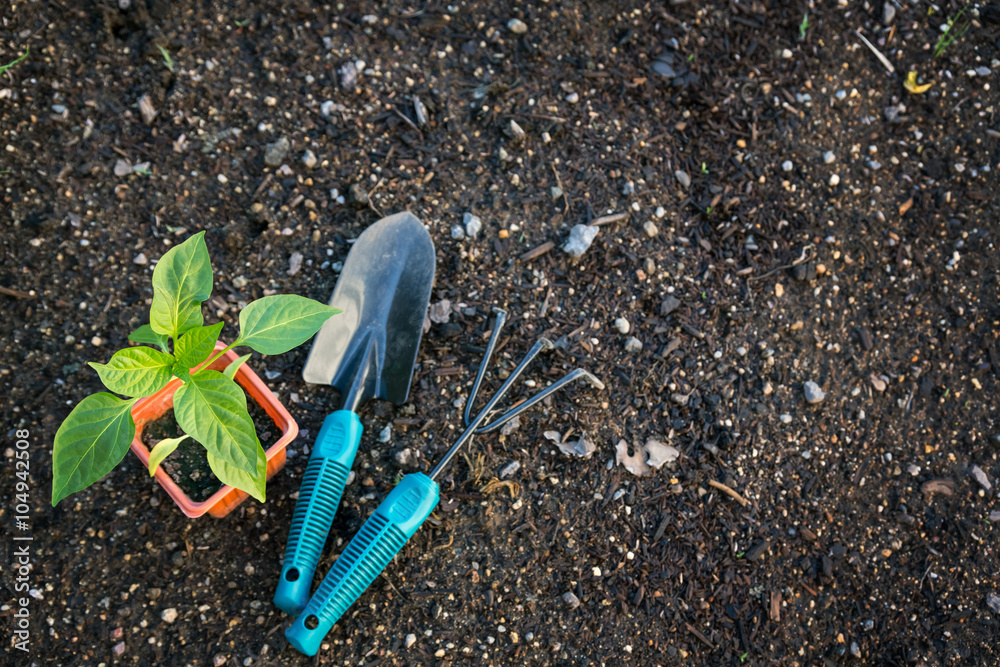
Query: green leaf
(234, 366)
(212, 409)
(136, 371)
(146, 335)
(242, 480)
(276, 324)
(90, 443)
(162, 450)
(182, 279)
(194, 347)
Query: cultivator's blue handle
(324, 481)
(383, 535)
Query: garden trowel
(366, 352)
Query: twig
(406, 119)
(537, 251)
(729, 492)
(371, 202)
(878, 54)
(607, 219)
(16, 293)
(800, 260)
(561, 189)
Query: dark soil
(187, 465)
(863, 537)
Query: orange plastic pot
(227, 498)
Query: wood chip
(700, 636)
(905, 206)
(943, 486)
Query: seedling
(243, 23)
(951, 33)
(803, 27)
(209, 406)
(166, 57)
(704, 168)
(4, 68)
(743, 658)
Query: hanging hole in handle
(292, 574)
(311, 622)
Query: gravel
(580, 238)
(669, 305)
(275, 154)
(622, 325)
(517, 26)
(650, 228)
(169, 615)
(980, 476)
(405, 458)
(633, 345)
(473, 225)
(787, 165)
(348, 76)
(420, 110)
(813, 392)
(309, 159)
(570, 599)
(829, 157)
(683, 178)
(888, 13)
(357, 196)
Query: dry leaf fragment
(582, 448)
(911, 84)
(146, 110)
(636, 463)
(658, 453)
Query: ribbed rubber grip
(379, 540)
(319, 495)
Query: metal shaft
(481, 417)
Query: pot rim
(146, 410)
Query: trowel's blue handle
(379, 540)
(324, 482)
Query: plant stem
(211, 360)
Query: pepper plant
(209, 406)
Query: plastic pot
(227, 498)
